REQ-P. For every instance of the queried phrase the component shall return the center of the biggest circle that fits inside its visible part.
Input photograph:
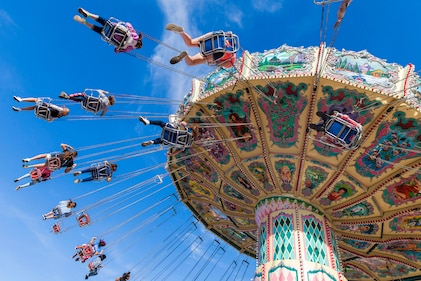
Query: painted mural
(367, 229)
(240, 179)
(195, 189)
(196, 164)
(341, 190)
(206, 139)
(233, 234)
(285, 60)
(361, 209)
(259, 172)
(353, 273)
(218, 79)
(386, 268)
(406, 223)
(235, 112)
(314, 177)
(230, 206)
(410, 249)
(357, 244)
(286, 170)
(233, 193)
(350, 102)
(364, 69)
(282, 112)
(210, 213)
(406, 190)
(397, 141)
(242, 222)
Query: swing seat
(56, 228)
(115, 33)
(345, 132)
(220, 42)
(42, 109)
(36, 174)
(53, 163)
(176, 138)
(88, 251)
(83, 219)
(100, 171)
(91, 104)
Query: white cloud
(6, 20)
(177, 77)
(267, 5)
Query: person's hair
(102, 243)
(65, 111)
(111, 99)
(70, 154)
(70, 203)
(114, 167)
(139, 42)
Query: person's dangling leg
(27, 175)
(77, 97)
(157, 123)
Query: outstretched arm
(66, 146)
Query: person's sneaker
(79, 19)
(77, 181)
(18, 99)
(146, 143)
(43, 217)
(16, 108)
(25, 166)
(86, 276)
(144, 120)
(83, 12)
(178, 58)
(26, 160)
(77, 173)
(19, 187)
(174, 27)
(63, 95)
(16, 180)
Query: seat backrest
(114, 32)
(176, 138)
(53, 163)
(100, 171)
(219, 42)
(43, 111)
(83, 219)
(92, 104)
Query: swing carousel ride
(304, 206)
(304, 158)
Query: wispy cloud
(267, 5)
(186, 14)
(6, 20)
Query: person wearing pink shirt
(133, 40)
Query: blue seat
(219, 42)
(100, 171)
(344, 134)
(42, 109)
(92, 104)
(176, 137)
(115, 33)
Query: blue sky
(43, 52)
